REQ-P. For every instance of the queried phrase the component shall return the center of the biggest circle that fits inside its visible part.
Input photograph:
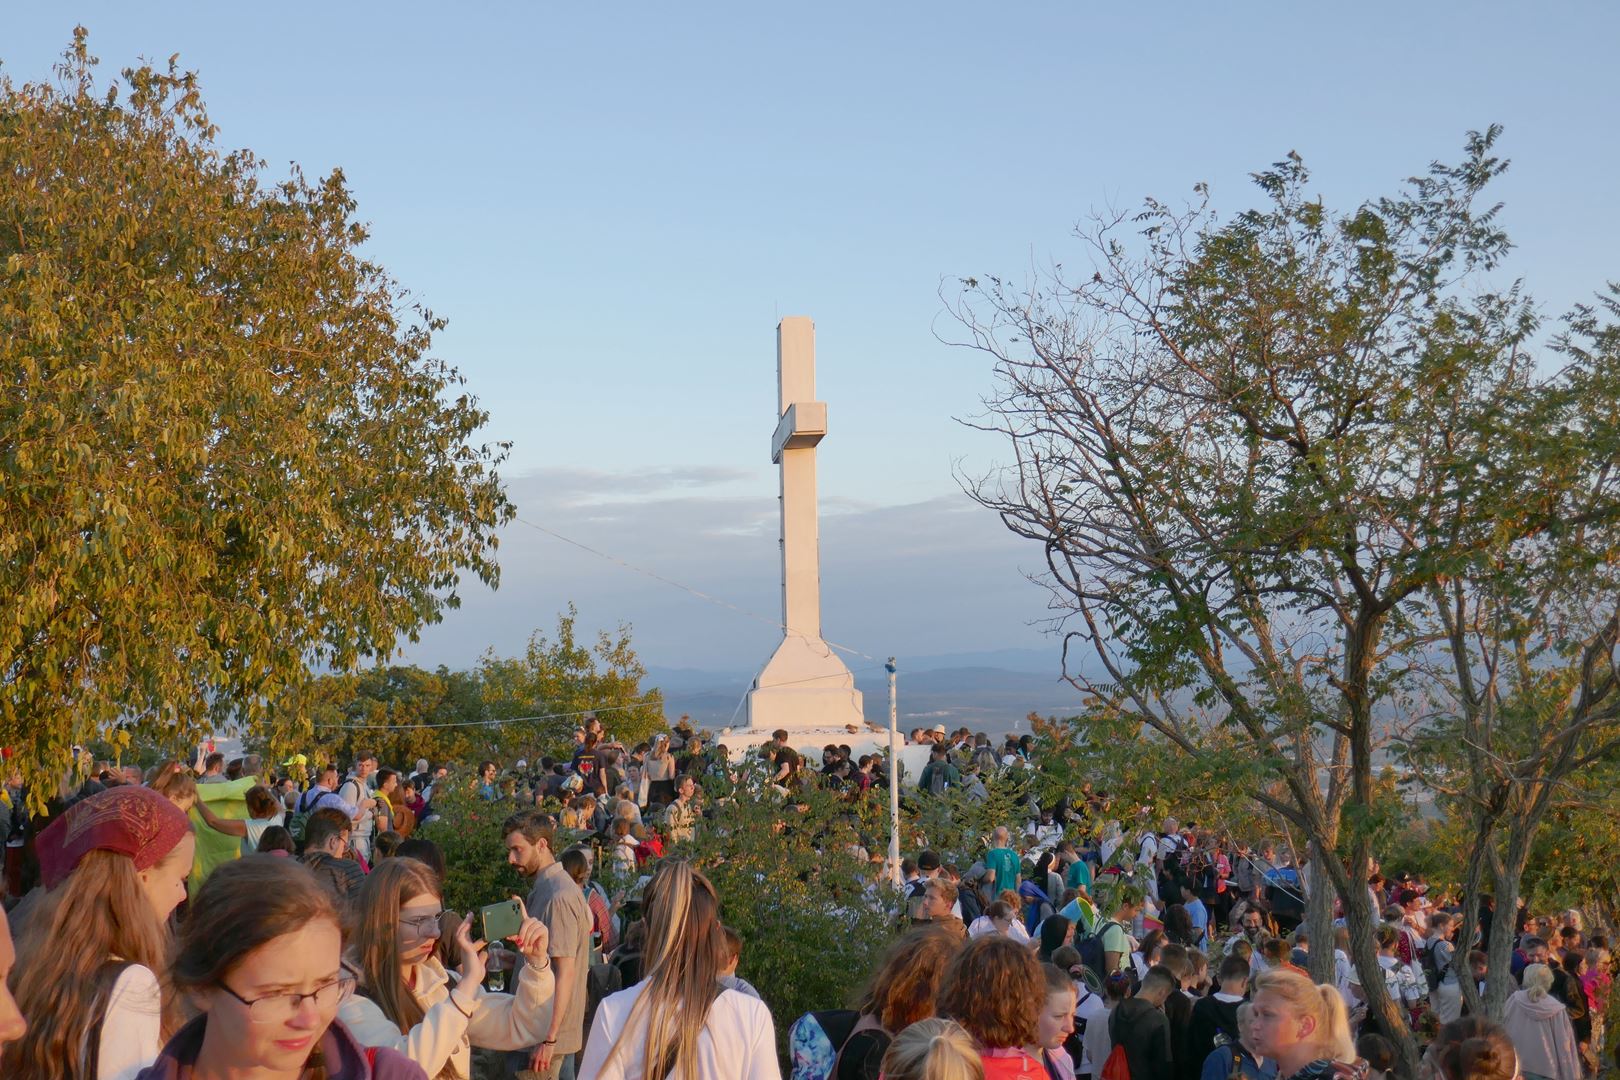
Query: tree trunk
(1362, 921)
(1319, 915)
(1508, 872)
(1472, 895)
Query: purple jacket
(345, 1059)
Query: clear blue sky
(613, 204)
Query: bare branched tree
(1227, 440)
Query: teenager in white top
(115, 865)
(406, 1001)
(680, 1017)
(264, 810)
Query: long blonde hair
(933, 1049)
(684, 950)
(1320, 1002)
(62, 978)
(374, 943)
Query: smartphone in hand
(499, 921)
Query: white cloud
(930, 577)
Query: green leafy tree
(1525, 701)
(563, 680)
(1250, 448)
(226, 453)
(400, 713)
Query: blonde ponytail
(1321, 1003)
(1336, 1041)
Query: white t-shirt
(1091, 1008)
(131, 1032)
(361, 790)
(255, 831)
(738, 1040)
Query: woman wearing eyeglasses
(91, 950)
(261, 959)
(408, 1002)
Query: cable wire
(700, 594)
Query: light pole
(894, 778)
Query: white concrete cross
(805, 684)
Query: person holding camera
(406, 1001)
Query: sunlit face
(419, 927)
(524, 855)
(1057, 1019)
(687, 787)
(1536, 954)
(12, 1025)
(1251, 922)
(936, 905)
(366, 767)
(298, 963)
(1274, 1027)
(165, 883)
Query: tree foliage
(503, 709)
(226, 453)
(1251, 448)
(562, 679)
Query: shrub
(468, 831)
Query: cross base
(805, 685)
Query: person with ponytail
(1303, 1027)
(1538, 1025)
(95, 944)
(933, 1049)
(260, 961)
(407, 1001)
(1471, 1048)
(679, 1021)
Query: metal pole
(894, 778)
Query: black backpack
(1431, 967)
(1092, 953)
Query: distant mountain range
(987, 691)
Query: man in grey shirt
(558, 901)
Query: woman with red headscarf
(115, 867)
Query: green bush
(468, 831)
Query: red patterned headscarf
(133, 821)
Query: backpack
(1117, 1067)
(937, 780)
(1092, 953)
(300, 817)
(815, 1039)
(1431, 968)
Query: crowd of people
(220, 918)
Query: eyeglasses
(278, 1008)
(422, 926)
